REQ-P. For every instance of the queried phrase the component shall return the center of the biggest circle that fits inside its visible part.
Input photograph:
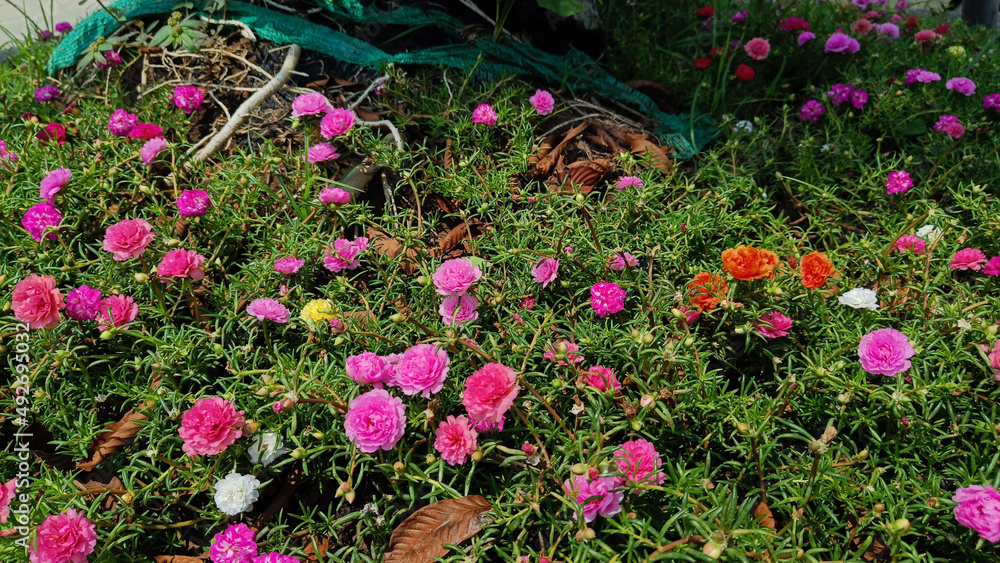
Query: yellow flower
(956, 51)
(318, 310)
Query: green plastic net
(488, 58)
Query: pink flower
(602, 379)
(37, 301)
(979, 508)
(773, 325)
(458, 309)
(757, 48)
(640, 463)
(888, 31)
(82, 303)
(489, 393)
(111, 58)
(267, 309)
(545, 271)
(566, 349)
(841, 43)
(312, 103)
(607, 298)
(366, 367)
(992, 267)
(861, 26)
(116, 311)
(334, 196)
(949, 124)
(456, 276)
(805, 36)
(992, 101)
(542, 102)
(53, 183)
(484, 114)
(9, 157)
(210, 426)
(885, 351)
(920, 75)
(234, 545)
(794, 24)
(455, 440)
(337, 122)
(53, 132)
(288, 265)
(188, 98)
(859, 98)
(839, 94)
(528, 303)
(898, 182)
(376, 420)
(925, 36)
(275, 557)
(422, 369)
(7, 491)
(122, 122)
(321, 152)
(740, 16)
(812, 111)
(912, 243)
(994, 358)
(598, 497)
(46, 93)
(622, 261)
(40, 217)
(128, 239)
(629, 182)
(151, 148)
(180, 263)
(67, 538)
(193, 203)
(968, 259)
(961, 85)
(345, 254)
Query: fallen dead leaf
(315, 553)
(763, 515)
(584, 175)
(389, 246)
(454, 236)
(176, 559)
(640, 145)
(121, 434)
(421, 537)
(546, 163)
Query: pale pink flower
(422, 369)
(375, 420)
(188, 98)
(455, 440)
(116, 311)
(234, 545)
(312, 103)
(622, 261)
(640, 463)
(65, 538)
(489, 393)
(337, 122)
(629, 182)
(321, 152)
(37, 301)
(563, 348)
(210, 426)
(757, 48)
(458, 309)
(602, 379)
(961, 85)
(345, 254)
(898, 182)
(885, 351)
(545, 271)
(288, 265)
(979, 508)
(542, 102)
(484, 114)
(53, 183)
(82, 303)
(267, 309)
(7, 491)
(128, 239)
(598, 497)
(122, 122)
(366, 367)
(968, 259)
(607, 298)
(40, 217)
(193, 203)
(456, 276)
(151, 148)
(914, 244)
(180, 263)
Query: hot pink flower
(312, 103)
(53, 132)
(812, 111)
(234, 545)
(188, 98)
(484, 114)
(334, 196)
(489, 393)
(82, 303)
(571, 353)
(602, 379)
(545, 271)
(122, 122)
(994, 358)
(321, 152)
(640, 463)
(345, 254)
(275, 557)
(885, 351)
(180, 263)
(151, 148)
(604, 500)
(267, 309)
(773, 325)
(898, 182)
(455, 440)
(39, 217)
(53, 183)
(992, 267)
(65, 538)
(7, 491)
(128, 239)
(458, 309)
(366, 367)
(193, 203)
(979, 508)
(111, 58)
(37, 301)
(422, 369)
(210, 426)
(337, 122)
(456, 276)
(990, 101)
(968, 259)
(949, 124)
(839, 94)
(629, 182)
(542, 102)
(146, 131)
(116, 311)
(288, 265)
(757, 48)
(961, 85)
(376, 420)
(914, 244)
(794, 24)
(622, 261)
(607, 298)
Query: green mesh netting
(488, 58)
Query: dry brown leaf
(448, 161)
(454, 236)
(876, 550)
(543, 149)
(585, 174)
(384, 244)
(763, 515)
(345, 83)
(315, 553)
(639, 145)
(176, 559)
(122, 433)
(317, 84)
(421, 537)
(368, 115)
(544, 166)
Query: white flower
(266, 448)
(236, 493)
(744, 125)
(929, 233)
(860, 298)
(826, 147)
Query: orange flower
(816, 268)
(706, 290)
(748, 263)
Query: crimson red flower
(717, 51)
(53, 132)
(912, 22)
(705, 12)
(943, 29)
(702, 62)
(744, 73)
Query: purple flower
(962, 85)
(888, 31)
(597, 497)
(193, 203)
(812, 111)
(122, 122)
(992, 101)
(46, 93)
(740, 17)
(885, 351)
(839, 94)
(949, 124)
(920, 75)
(40, 217)
(82, 303)
(841, 43)
(859, 98)
(53, 183)
(805, 36)
(64, 27)
(188, 98)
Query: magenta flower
(794, 24)
(968, 259)
(53, 183)
(345, 254)
(375, 420)
(992, 268)
(607, 298)
(602, 379)
(116, 311)
(598, 497)
(275, 557)
(193, 203)
(188, 98)
(458, 309)
(914, 244)
(234, 545)
(885, 351)
(288, 265)
(52, 132)
(40, 217)
(961, 85)
(925, 36)
(979, 508)
(456, 276)
(629, 182)
(7, 157)
(151, 148)
(542, 102)
(180, 263)
(805, 36)
(65, 538)
(920, 75)
(455, 440)
(128, 239)
(334, 196)
(992, 101)
(841, 43)
(321, 152)
(839, 94)
(740, 17)
(337, 122)
(484, 114)
(859, 98)
(267, 309)
(7, 495)
(949, 124)
(366, 367)
(46, 93)
(210, 426)
(773, 325)
(639, 463)
(489, 393)
(812, 111)
(64, 27)
(111, 58)
(312, 103)
(122, 122)
(422, 369)
(545, 271)
(82, 303)
(898, 182)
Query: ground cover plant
(513, 301)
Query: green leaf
(161, 37)
(564, 8)
(479, 262)
(912, 127)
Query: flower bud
(318, 435)
(647, 338)
(901, 525)
(298, 453)
(879, 508)
(399, 467)
(743, 428)
(579, 468)
(339, 341)
(477, 456)
(815, 446)
(430, 459)
(423, 280)
(646, 400)
(107, 335)
(636, 426)
(579, 198)
(343, 489)
(141, 277)
(396, 318)
(589, 534)
(712, 549)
